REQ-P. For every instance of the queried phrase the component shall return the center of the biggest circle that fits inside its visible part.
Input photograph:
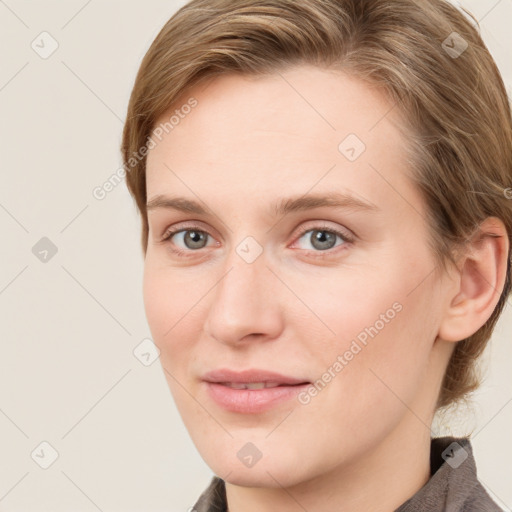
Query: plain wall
(68, 326)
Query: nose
(245, 304)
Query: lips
(251, 391)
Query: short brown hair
(455, 105)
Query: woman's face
(309, 259)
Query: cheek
(158, 304)
(171, 309)
(379, 329)
(354, 304)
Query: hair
(455, 108)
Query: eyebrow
(286, 205)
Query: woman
(323, 188)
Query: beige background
(68, 326)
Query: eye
(190, 239)
(187, 239)
(322, 238)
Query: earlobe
(479, 282)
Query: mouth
(251, 391)
(248, 377)
(257, 385)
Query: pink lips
(249, 401)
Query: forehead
(301, 128)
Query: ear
(479, 282)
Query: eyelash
(347, 239)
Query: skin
(364, 440)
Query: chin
(275, 469)
(250, 478)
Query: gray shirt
(453, 485)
